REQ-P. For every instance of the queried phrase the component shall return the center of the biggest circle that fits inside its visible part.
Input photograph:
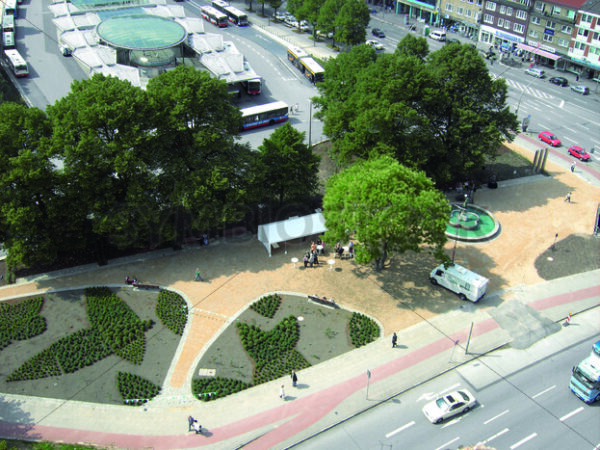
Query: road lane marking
(398, 430)
(498, 434)
(447, 443)
(572, 413)
(545, 390)
(495, 417)
(522, 441)
(449, 389)
(570, 129)
(452, 422)
(562, 103)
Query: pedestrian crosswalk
(523, 87)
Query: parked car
(280, 15)
(583, 90)
(549, 138)
(375, 44)
(578, 153)
(378, 32)
(534, 72)
(438, 35)
(559, 81)
(452, 41)
(305, 26)
(325, 34)
(449, 406)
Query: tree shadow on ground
(16, 422)
(571, 255)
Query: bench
(323, 300)
(146, 286)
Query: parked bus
(8, 39)
(8, 23)
(305, 64)
(253, 86)
(214, 16)
(263, 115)
(16, 63)
(233, 14)
(10, 7)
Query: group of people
(131, 280)
(312, 256)
(339, 249)
(194, 425)
(294, 383)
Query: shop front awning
(539, 51)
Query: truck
(585, 379)
(466, 284)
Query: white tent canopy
(271, 234)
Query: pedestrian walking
(197, 276)
(191, 422)
(394, 340)
(282, 393)
(573, 164)
(568, 198)
(576, 77)
(197, 427)
(294, 378)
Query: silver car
(583, 90)
(449, 405)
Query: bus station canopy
(273, 233)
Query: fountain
(471, 223)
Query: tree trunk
(380, 262)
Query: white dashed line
(398, 430)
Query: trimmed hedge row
(267, 306)
(136, 390)
(172, 311)
(21, 321)
(363, 330)
(207, 389)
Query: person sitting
(340, 251)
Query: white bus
(16, 63)
(263, 115)
(8, 22)
(234, 15)
(10, 7)
(8, 39)
(214, 16)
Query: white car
(375, 44)
(449, 405)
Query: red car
(579, 153)
(549, 138)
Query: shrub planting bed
(172, 311)
(20, 321)
(267, 306)
(362, 330)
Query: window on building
(521, 14)
(507, 24)
(491, 6)
(509, 11)
(595, 50)
(449, 7)
(468, 12)
(579, 45)
(479, 2)
(586, 18)
(566, 29)
(556, 10)
(502, 9)
(550, 24)
(488, 18)
(583, 32)
(469, 1)
(518, 28)
(570, 14)
(539, 6)
(477, 16)
(563, 42)
(500, 22)
(460, 10)
(536, 20)
(547, 38)
(533, 34)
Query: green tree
(287, 169)
(310, 11)
(441, 113)
(275, 4)
(413, 45)
(34, 216)
(387, 208)
(100, 133)
(327, 15)
(203, 171)
(352, 21)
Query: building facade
(464, 14)
(504, 23)
(584, 49)
(550, 30)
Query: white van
(468, 285)
(438, 35)
(534, 72)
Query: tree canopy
(440, 112)
(386, 208)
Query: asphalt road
(530, 409)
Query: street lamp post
(309, 124)
(521, 97)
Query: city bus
(8, 23)
(10, 7)
(305, 64)
(8, 39)
(16, 63)
(214, 16)
(253, 86)
(233, 14)
(263, 115)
